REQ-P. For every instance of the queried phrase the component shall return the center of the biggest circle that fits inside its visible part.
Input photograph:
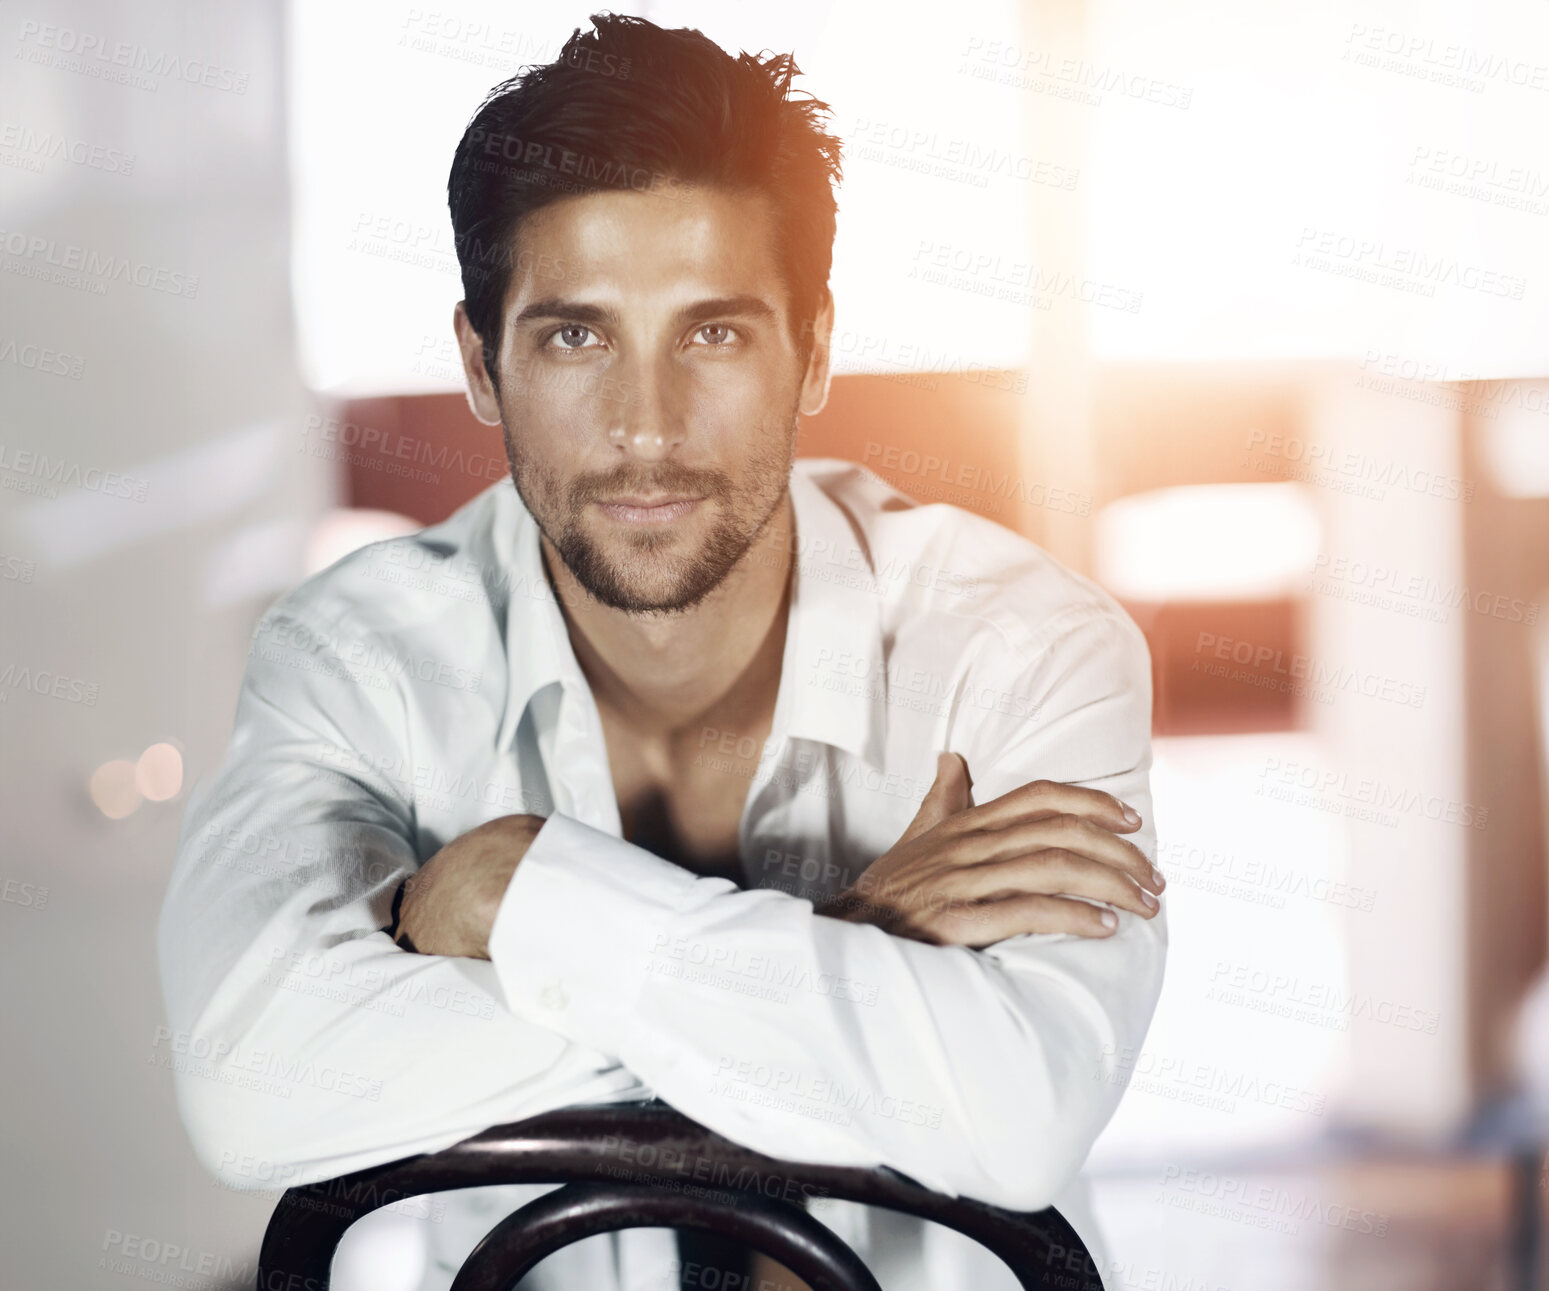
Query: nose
(648, 420)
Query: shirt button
(554, 997)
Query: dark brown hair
(630, 105)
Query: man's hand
(449, 906)
(971, 876)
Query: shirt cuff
(572, 939)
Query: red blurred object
(937, 437)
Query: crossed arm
(981, 1058)
(1032, 861)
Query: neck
(715, 664)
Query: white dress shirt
(425, 685)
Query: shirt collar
(832, 681)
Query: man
(704, 793)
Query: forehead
(660, 248)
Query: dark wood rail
(646, 1166)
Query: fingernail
(1150, 900)
(1158, 878)
(1131, 815)
(1109, 919)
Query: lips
(662, 510)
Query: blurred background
(1242, 311)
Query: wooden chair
(647, 1166)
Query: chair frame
(645, 1165)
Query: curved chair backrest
(645, 1165)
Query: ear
(814, 384)
(481, 390)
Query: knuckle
(1075, 915)
(1064, 858)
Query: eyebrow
(573, 311)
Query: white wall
(1394, 499)
(142, 604)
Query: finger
(1048, 797)
(985, 923)
(947, 795)
(1069, 832)
(1055, 871)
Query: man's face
(647, 354)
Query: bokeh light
(159, 772)
(114, 788)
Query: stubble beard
(639, 573)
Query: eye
(572, 336)
(715, 334)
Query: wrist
(448, 906)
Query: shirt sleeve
(303, 1043)
(984, 1073)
